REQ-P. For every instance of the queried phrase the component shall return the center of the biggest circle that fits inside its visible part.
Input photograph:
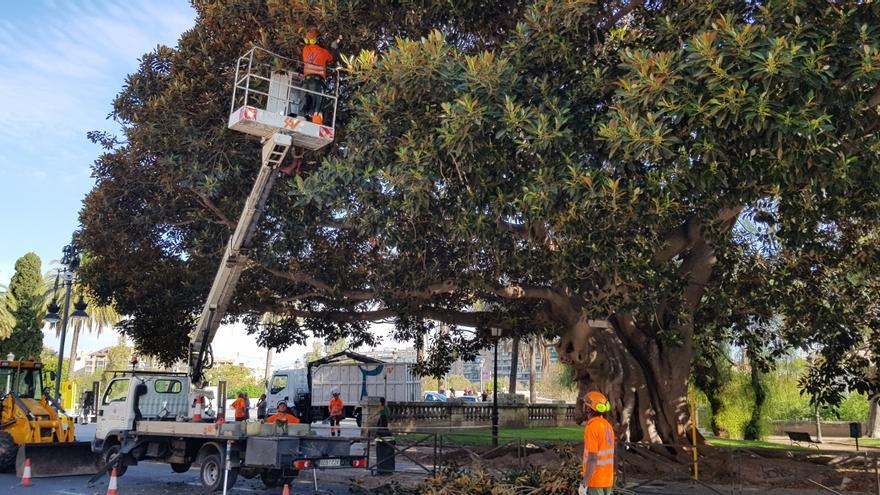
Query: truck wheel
(111, 452)
(180, 467)
(8, 450)
(211, 474)
(271, 478)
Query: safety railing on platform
(274, 83)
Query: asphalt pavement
(150, 478)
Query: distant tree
(316, 353)
(556, 383)
(459, 383)
(49, 358)
(119, 356)
(338, 345)
(238, 379)
(26, 290)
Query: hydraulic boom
(234, 259)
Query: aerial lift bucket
(57, 459)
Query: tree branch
(687, 234)
(460, 318)
(315, 283)
(207, 203)
(336, 224)
(535, 232)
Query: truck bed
(231, 431)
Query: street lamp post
(71, 263)
(68, 283)
(496, 335)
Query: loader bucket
(57, 459)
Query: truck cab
(134, 396)
(286, 385)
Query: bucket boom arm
(234, 259)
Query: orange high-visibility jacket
(315, 60)
(239, 405)
(291, 419)
(336, 407)
(599, 440)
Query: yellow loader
(33, 426)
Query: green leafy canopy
(521, 164)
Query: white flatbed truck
(155, 416)
(145, 416)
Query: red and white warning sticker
(249, 113)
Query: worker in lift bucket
(315, 59)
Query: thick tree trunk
(74, 343)
(514, 365)
(753, 428)
(533, 370)
(874, 418)
(645, 381)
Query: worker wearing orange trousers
(337, 409)
(598, 460)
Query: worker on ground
(315, 59)
(382, 424)
(261, 407)
(337, 409)
(282, 413)
(240, 407)
(598, 460)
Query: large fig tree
(587, 170)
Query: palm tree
(100, 317)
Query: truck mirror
(52, 375)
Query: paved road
(157, 479)
(149, 478)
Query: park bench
(799, 437)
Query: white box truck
(353, 375)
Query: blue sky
(61, 64)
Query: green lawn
(572, 434)
(563, 434)
(870, 442)
(746, 444)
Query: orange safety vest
(239, 407)
(599, 440)
(291, 419)
(336, 407)
(315, 60)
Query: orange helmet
(597, 401)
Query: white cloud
(59, 69)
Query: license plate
(330, 462)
